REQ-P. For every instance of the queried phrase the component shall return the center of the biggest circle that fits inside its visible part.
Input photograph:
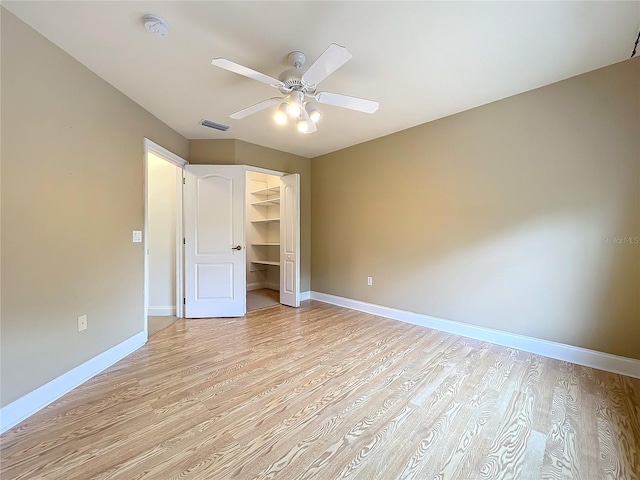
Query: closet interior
(263, 238)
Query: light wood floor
(156, 324)
(261, 298)
(323, 392)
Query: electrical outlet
(369, 281)
(137, 236)
(82, 323)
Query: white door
(290, 240)
(215, 281)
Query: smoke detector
(155, 25)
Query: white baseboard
(24, 407)
(258, 286)
(255, 286)
(161, 311)
(582, 356)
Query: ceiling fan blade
(345, 101)
(245, 112)
(246, 71)
(331, 59)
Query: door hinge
(184, 301)
(184, 180)
(184, 241)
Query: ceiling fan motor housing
(292, 78)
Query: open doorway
(263, 239)
(163, 233)
(239, 237)
(204, 232)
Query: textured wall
(72, 193)
(505, 216)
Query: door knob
(238, 247)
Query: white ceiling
(420, 60)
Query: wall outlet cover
(82, 323)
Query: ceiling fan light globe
(312, 112)
(280, 115)
(315, 116)
(294, 110)
(280, 118)
(303, 126)
(295, 103)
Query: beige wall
(237, 152)
(72, 193)
(496, 216)
(212, 152)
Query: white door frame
(170, 157)
(275, 173)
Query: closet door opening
(273, 238)
(263, 239)
(234, 252)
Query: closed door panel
(290, 240)
(289, 277)
(214, 241)
(214, 215)
(214, 281)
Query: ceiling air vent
(215, 125)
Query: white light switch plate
(137, 236)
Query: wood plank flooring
(262, 298)
(325, 392)
(156, 324)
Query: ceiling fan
(298, 87)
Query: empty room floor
(262, 298)
(325, 392)
(156, 324)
